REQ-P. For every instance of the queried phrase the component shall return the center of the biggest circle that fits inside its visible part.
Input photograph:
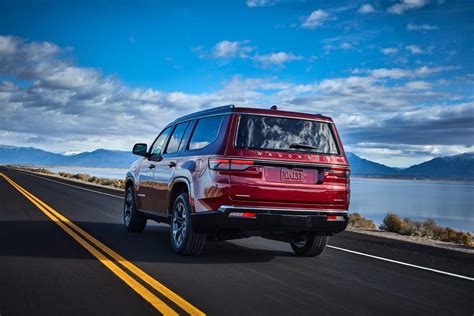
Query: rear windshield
(287, 134)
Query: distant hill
(103, 158)
(28, 155)
(98, 158)
(364, 167)
(453, 167)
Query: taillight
(334, 218)
(229, 164)
(243, 214)
(340, 173)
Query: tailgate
(287, 184)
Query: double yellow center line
(113, 261)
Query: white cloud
(343, 46)
(418, 85)
(228, 49)
(315, 19)
(276, 59)
(421, 27)
(366, 8)
(398, 73)
(414, 49)
(405, 5)
(241, 49)
(260, 3)
(389, 50)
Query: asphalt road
(44, 270)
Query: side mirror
(140, 149)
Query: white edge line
(70, 185)
(403, 263)
(333, 247)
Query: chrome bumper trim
(224, 208)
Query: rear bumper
(271, 220)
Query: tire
(184, 240)
(134, 221)
(309, 246)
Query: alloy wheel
(179, 224)
(127, 212)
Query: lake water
(449, 203)
(109, 173)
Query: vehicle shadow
(45, 239)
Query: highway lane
(46, 268)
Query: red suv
(232, 172)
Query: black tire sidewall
(129, 191)
(137, 221)
(182, 198)
(314, 246)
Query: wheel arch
(130, 182)
(179, 186)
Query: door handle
(151, 166)
(172, 164)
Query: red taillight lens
(243, 214)
(340, 173)
(229, 164)
(219, 164)
(334, 218)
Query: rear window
(286, 134)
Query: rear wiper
(304, 146)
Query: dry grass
(92, 179)
(77, 176)
(41, 170)
(428, 229)
(357, 221)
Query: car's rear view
(293, 163)
(288, 177)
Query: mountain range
(451, 167)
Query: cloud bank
(48, 101)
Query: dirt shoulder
(416, 240)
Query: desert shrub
(428, 229)
(81, 176)
(358, 221)
(111, 182)
(392, 223)
(410, 228)
(120, 184)
(42, 170)
(105, 181)
(451, 235)
(92, 179)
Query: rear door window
(285, 134)
(205, 132)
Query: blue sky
(396, 76)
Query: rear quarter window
(205, 132)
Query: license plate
(291, 175)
